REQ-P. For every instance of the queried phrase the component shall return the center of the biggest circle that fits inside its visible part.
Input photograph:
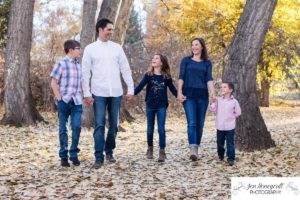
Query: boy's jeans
(229, 137)
(195, 111)
(64, 111)
(161, 120)
(112, 106)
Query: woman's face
(156, 62)
(196, 47)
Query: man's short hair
(70, 44)
(102, 23)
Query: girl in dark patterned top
(157, 79)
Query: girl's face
(156, 62)
(225, 90)
(196, 47)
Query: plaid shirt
(68, 73)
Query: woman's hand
(181, 98)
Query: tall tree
(19, 104)
(122, 21)
(110, 10)
(240, 67)
(86, 37)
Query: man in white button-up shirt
(103, 62)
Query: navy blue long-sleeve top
(195, 76)
(156, 90)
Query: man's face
(106, 32)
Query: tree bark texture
(240, 67)
(122, 21)
(87, 37)
(19, 104)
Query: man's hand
(88, 101)
(129, 98)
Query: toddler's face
(225, 90)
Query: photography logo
(265, 188)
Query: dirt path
(29, 164)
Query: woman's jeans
(161, 114)
(195, 111)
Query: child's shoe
(231, 162)
(161, 156)
(149, 153)
(75, 161)
(64, 162)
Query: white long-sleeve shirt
(105, 62)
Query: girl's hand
(181, 98)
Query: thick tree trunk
(19, 104)
(86, 37)
(110, 10)
(240, 67)
(122, 21)
(264, 93)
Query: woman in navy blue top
(157, 79)
(195, 80)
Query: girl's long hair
(165, 69)
(204, 55)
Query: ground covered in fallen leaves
(30, 167)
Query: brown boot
(161, 156)
(149, 153)
(193, 154)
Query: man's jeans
(112, 106)
(64, 111)
(195, 111)
(229, 137)
(161, 120)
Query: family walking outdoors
(97, 82)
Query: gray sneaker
(98, 164)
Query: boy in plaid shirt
(66, 86)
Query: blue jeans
(195, 111)
(161, 114)
(112, 106)
(229, 137)
(64, 111)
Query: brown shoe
(161, 156)
(149, 153)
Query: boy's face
(225, 90)
(75, 53)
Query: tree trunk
(264, 93)
(86, 37)
(240, 67)
(19, 104)
(122, 21)
(110, 10)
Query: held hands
(213, 98)
(181, 98)
(89, 101)
(129, 98)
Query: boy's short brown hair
(70, 44)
